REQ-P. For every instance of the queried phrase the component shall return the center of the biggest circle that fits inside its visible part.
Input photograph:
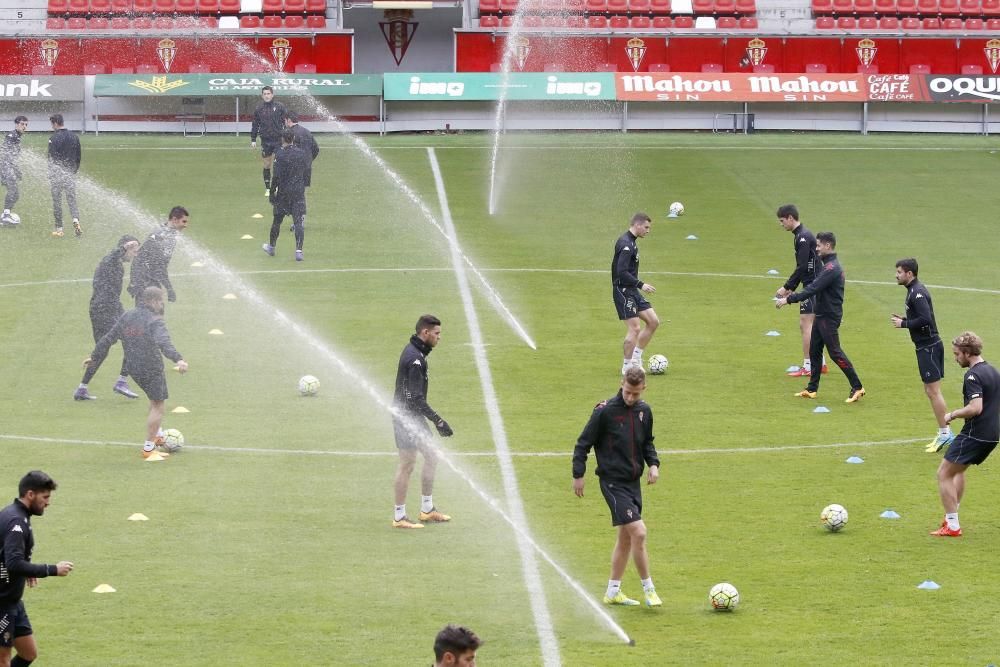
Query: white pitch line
(762, 449)
(529, 564)
(585, 147)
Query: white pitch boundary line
(763, 449)
(681, 274)
(529, 564)
(578, 147)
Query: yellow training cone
(215, 332)
(257, 216)
(104, 588)
(180, 410)
(229, 296)
(154, 457)
(138, 516)
(246, 237)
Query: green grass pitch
(268, 540)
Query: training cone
(138, 516)
(929, 585)
(215, 332)
(889, 514)
(256, 216)
(229, 297)
(153, 458)
(246, 237)
(854, 459)
(772, 333)
(821, 409)
(772, 272)
(691, 237)
(180, 410)
(104, 588)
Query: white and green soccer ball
(724, 597)
(658, 364)
(308, 385)
(834, 517)
(173, 440)
(676, 210)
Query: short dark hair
(20, 119)
(292, 116)
(639, 218)
(36, 480)
(151, 294)
(123, 241)
(177, 212)
(287, 136)
(267, 88)
(455, 639)
(969, 343)
(908, 264)
(427, 322)
(635, 376)
(56, 119)
(788, 211)
(827, 237)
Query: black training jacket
(64, 152)
(828, 288)
(622, 439)
(411, 379)
(144, 336)
(268, 121)
(15, 554)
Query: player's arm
(314, 147)
(625, 277)
(649, 454)
(160, 335)
(822, 282)
(588, 438)
(14, 555)
(77, 155)
(922, 310)
(255, 127)
(972, 409)
(417, 399)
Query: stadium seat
(662, 22)
(576, 21)
(641, 23)
(508, 6)
(98, 23)
(659, 67)
(927, 7)
(76, 23)
(78, 7)
(597, 22)
(607, 67)
(208, 22)
(506, 21)
(142, 6)
(815, 68)
(888, 23)
(843, 7)
(100, 7)
(271, 22)
(316, 7)
(990, 9)
(910, 23)
(57, 7)
(121, 7)
(637, 7)
(316, 22)
(920, 69)
(864, 7)
(249, 21)
(746, 7)
(763, 69)
(207, 7)
(42, 70)
(951, 24)
(618, 22)
(123, 70)
(712, 68)
(163, 23)
(932, 23)
(617, 6)
(551, 6)
(272, 6)
(825, 23)
(683, 22)
(847, 23)
(229, 6)
(55, 23)
(199, 68)
(295, 7)
(163, 6)
(487, 21)
(748, 22)
(489, 7)
(867, 69)
(974, 24)
(295, 22)
(554, 21)
(885, 7)
(146, 69)
(142, 23)
(948, 8)
(305, 68)
(702, 7)
(822, 7)
(659, 7)
(726, 22)
(185, 6)
(868, 23)
(972, 70)
(992, 24)
(573, 6)
(725, 7)
(969, 8)
(596, 6)
(906, 7)
(531, 21)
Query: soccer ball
(724, 597)
(308, 385)
(834, 517)
(173, 440)
(658, 364)
(676, 210)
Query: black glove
(171, 295)
(443, 429)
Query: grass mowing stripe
(533, 578)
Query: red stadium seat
(847, 23)
(910, 23)
(659, 67)
(271, 22)
(142, 6)
(142, 23)
(229, 7)
(207, 7)
(763, 69)
(318, 22)
(55, 23)
(992, 24)
(146, 69)
(76, 23)
(208, 22)
(662, 22)
(725, 7)
(906, 7)
(865, 7)
(58, 6)
(576, 21)
(100, 7)
(295, 22)
(726, 22)
(920, 69)
(597, 22)
(507, 21)
(703, 6)
(990, 9)
(316, 7)
(295, 7)
(596, 6)
(712, 68)
(78, 7)
(823, 7)
(658, 7)
(948, 8)
(972, 70)
(123, 70)
(748, 22)
(489, 6)
(617, 6)
(121, 6)
(98, 23)
(163, 6)
(825, 23)
(640, 23)
(969, 8)
(249, 21)
(885, 7)
(43, 70)
(531, 21)
(305, 68)
(553, 6)
(888, 23)
(973, 24)
(185, 6)
(199, 68)
(185, 22)
(868, 23)
(573, 6)
(746, 7)
(618, 22)
(952, 24)
(815, 68)
(272, 6)
(931, 23)
(489, 21)
(684, 22)
(163, 23)
(927, 7)
(638, 7)
(508, 6)
(554, 21)
(843, 7)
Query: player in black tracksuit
(920, 322)
(304, 140)
(106, 306)
(288, 193)
(268, 123)
(17, 570)
(828, 289)
(149, 268)
(410, 410)
(10, 170)
(620, 431)
(627, 292)
(804, 246)
(64, 163)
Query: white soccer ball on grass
(658, 364)
(308, 385)
(834, 517)
(676, 210)
(724, 597)
(173, 440)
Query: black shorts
(930, 362)
(968, 451)
(629, 302)
(153, 384)
(412, 433)
(14, 623)
(102, 322)
(807, 307)
(296, 208)
(268, 147)
(625, 501)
